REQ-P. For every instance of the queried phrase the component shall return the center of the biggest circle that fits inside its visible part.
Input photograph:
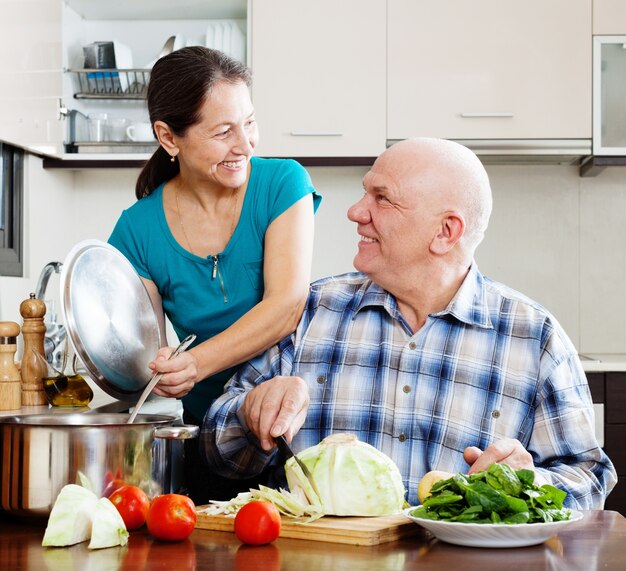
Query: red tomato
(112, 486)
(257, 523)
(133, 504)
(171, 517)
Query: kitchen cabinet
(521, 70)
(609, 92)
(31, 76)
(319, 77)
(43, 39)
(609, 17)
(610, 388)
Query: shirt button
(406, 388)
(402, 438)
(320, 380)
(495, 413)
(412, 345)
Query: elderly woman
(221, 239)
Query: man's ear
(166, 138)
(450, 232)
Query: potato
(428, 481)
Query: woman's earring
(173, 159)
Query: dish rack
(100, 83)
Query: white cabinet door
(31, 75)
(609, 88)
(609, 17)
(489, 69)
(319, 76)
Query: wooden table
(597, 542)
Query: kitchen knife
(286, 450)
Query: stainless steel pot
(42, 453)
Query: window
(11, 193)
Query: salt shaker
(10, 379)
(33, 332)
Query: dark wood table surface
(598, 542)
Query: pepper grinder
(33, 332)
(10, 379)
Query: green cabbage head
(352, 478)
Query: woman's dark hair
(179, 84)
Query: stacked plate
(227, 36)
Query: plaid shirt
(492, 365)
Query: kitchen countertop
(603, 362)
(154, 405)
(596, 542)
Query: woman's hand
(180, 374)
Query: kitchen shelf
(112, 147)
(95, 83)
(87, 160)
(594, 165)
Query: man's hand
(506, 451)
(276, 407)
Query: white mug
(140, 132)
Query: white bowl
(493, 534)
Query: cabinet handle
(311, 134)
(482, 115)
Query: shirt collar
(371, 294)
(468, 305)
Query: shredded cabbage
(286, 503)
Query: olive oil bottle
(67, 388)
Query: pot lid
(109, 318)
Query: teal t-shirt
(195, 298)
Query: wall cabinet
(609, 17)
(610, 389)
(30, 71)
(44, 38)
(332, 79)
(521, 70)
(319, 76)
(609, 91)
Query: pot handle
(183, 432)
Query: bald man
(418, 353)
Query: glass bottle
(67, 387)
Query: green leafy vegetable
(70, 518)
(496, 495)
(352, 478)
(78, 515)
(287, 504)
(107, 526)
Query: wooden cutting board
(350, 530)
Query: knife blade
(286, 450)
